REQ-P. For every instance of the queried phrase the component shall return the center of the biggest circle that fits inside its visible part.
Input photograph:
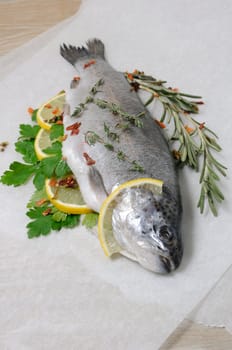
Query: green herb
(121, 155)
(94, 89)
(25, 143)
(38, 180)
(34, 115)
(36, 197)
(109, 146)
(28, 131)
(192, 138)
(116, 110)
(78, 110)
(41, 225)
(91, 138)
(90, 220)
(18, 174)
(137, 167)
(113, 136)
(56, 131)
(45, 217)
(26, 148)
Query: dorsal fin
(95, 48)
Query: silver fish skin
(146, 226)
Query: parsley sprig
(44, 217)
(194, 140)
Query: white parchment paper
(61, 291)
(216, 309)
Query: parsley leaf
(34, 115)
(48, 165)
(37, 196)
(28, 131)
(59, 216)
(55, 220)
(71, 220)
(39, 226)
(26, 148)
(90, 220)
(62, 169)
(55, 148)
(18, 174)
(39, 180)
(36, 212)
(56, 131)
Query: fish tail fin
(95, 48)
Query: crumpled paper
(63, 285)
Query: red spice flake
(74, 128)
(69, 181)
(30, 110)
(188, 129)
(161, 125)
(89, 160)
(88, 64)
(201, 126)
(48, 105)
(41, 202)
(47, 212)
(56, 111)
(76, 78)
(53, 182)
(175, 89)
(59, 122)
(130, 76)
(200, 102)
(176, 154)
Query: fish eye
(165, 233)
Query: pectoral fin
(94, 191)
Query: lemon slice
(66, 199)
(42, 141)
(49, 110)
(105, 229)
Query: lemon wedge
(50, 110)
(66, 199)
(105, 229)
(42, 141)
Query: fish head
(147, 227)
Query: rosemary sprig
(194, 139)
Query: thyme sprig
(193, 139)
(116, 110)
(111, 106)
(91, 138)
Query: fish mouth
(171, 263)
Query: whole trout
(112, 139)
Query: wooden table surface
(22, 20)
